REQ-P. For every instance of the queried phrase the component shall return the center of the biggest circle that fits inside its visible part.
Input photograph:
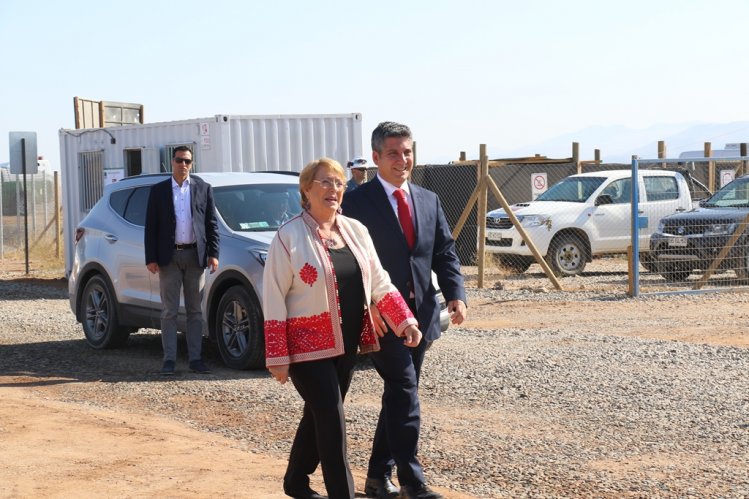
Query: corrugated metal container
(91, 158)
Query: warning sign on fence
(538, 184)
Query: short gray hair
(388, 129)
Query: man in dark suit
(412, 238)
(181, 240)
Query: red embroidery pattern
(275, 339)
(308, 274)
(304, 335)
(394, 308)
(310, 334)
(368, 334)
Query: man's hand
(280, 373)
(412, 335)
(379, 323)
(457, 311)
(212, 263)
(153, 267)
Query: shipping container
(90, 158)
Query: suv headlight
(720, 229)
(533, 220)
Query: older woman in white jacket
(321, 274)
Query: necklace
(332, 239)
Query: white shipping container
(89, 158)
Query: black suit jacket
(161, 222)
(411, 270)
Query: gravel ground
(508, 412)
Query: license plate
(495, 236)
(679, 241)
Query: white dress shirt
(184, 233)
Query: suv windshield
(735, 194)
(574, 189)
(257, 207)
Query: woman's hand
(280, 373)
(379, 323)
(412, 335)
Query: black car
(689, 241)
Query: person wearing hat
(358, 167)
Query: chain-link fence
(564, 222)
(39, 212)
(579, 219)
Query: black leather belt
(179, 247)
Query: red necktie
(404, 217)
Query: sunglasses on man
(186, 161)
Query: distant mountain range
(619, 143)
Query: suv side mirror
(604, 199)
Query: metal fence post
(635, 291)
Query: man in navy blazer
(181, 239)
(409, 263)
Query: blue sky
(504, 73)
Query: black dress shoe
(419, 492)
(381, 488)
(197, 366)
(302, 493)
(168, 368)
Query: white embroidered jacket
(300, 293)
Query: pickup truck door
(609, 224)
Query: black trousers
(321, 435)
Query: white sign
(727, 176)
(112, 176)
(539, 184)
(205, 129)
(20, 143)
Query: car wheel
(514, 263)
(648, 260)
(99, 314)
(239, 329)
(567, 255)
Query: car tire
(567, 255)
(515, 264)
(238, 329)
(99, 315)
(648, 261)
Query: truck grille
(689, 227)
(498, 223)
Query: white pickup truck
(583, 216)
